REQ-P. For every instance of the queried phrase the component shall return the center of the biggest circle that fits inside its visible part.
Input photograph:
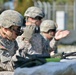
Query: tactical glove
(28, 32)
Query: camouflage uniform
(45, 27)
(34, 43)
(8, 47)
(41, 45)
(38, 44)
(34, 12)
(5, 55)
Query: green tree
(23, 5)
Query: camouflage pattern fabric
(7, 53)
(29, 30)
(37, 45)
(34, 12)
(6, 66)
(47, 25)
(8, 48)
(20, 41)
(41, 44)
(11, 17)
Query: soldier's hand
(61, 34)
(28, 32)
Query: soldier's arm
(36, 44)
(59, 35)
(31, 48)
(53, 43)
(53, 46)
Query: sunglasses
(18, 31)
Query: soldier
(48, 29)
(10, 24)
(43, 43)
(47, 40)
(33, 16)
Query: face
(51, 34)
(12, 32)
(32, 21)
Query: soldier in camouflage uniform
(51, 35)
(10, 24)
(46, 41)
(43, 43)
(33, 16)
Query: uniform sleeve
(36, 44)
(53, 44)
(32, 47)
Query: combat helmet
(11, 17)
(34, 12)
(47, 25)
